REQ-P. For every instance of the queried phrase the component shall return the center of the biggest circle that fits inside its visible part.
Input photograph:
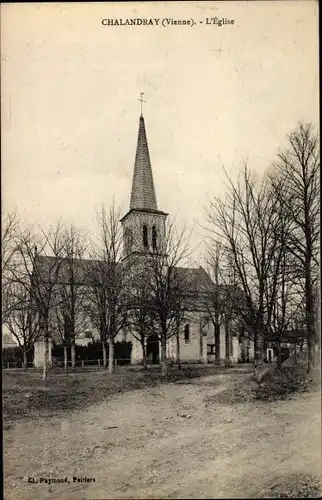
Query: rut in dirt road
(171, 441)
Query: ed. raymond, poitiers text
(66, 480)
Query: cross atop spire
(143, 192)
(141, 101)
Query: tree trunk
(255, 344)
(317, 353)
(104, 354)
(309, 303)
(310, 359)
(227, 344)
(65, 358)
(25, 360)
(259, 367)
(145, 359)
(231, 350)
(72, 353)
(164, 368)
(201, 343)
(178, 351)
(317, 345)
(111, 356)
(45, 365)
(217, 343)
(279, 354)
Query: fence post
(8, 365)
(99, 362)
(82, 363)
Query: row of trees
(266, 233)
(59, 283)
(262, 255)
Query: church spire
(143, 192)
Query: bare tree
(247, 223)
(297, 170)
(39, 275)
(288, 302)
(10, 228)
(213, 299)
(70, 318)
(222, 300)
(139, 320)
(23, 319)
(180, 315)
(167, 284)
(61, 327)
(106, 280)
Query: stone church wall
(194, 350)
(136, 355)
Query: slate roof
(294, 335)
(193, 279)
(143, 192)
(81, 267)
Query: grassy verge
(25, 395)
(281, 383)
(297, 486)
(285, 382)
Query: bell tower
(144, 224)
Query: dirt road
(167, 442)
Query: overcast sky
(214, 95)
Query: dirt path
(166, 442)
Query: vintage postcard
(160, 250)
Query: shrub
(93, 351)
(297, 486)
(15, 355)
(284, 381)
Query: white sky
(214, 95)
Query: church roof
(192, 279)
(52, 268)
(143, 192)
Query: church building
(143, 224)
(143, 228)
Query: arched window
(187, 334)
(154, 238)
(145, 236)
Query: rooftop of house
(294, 334)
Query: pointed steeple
(143, 192)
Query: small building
(292, 342)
